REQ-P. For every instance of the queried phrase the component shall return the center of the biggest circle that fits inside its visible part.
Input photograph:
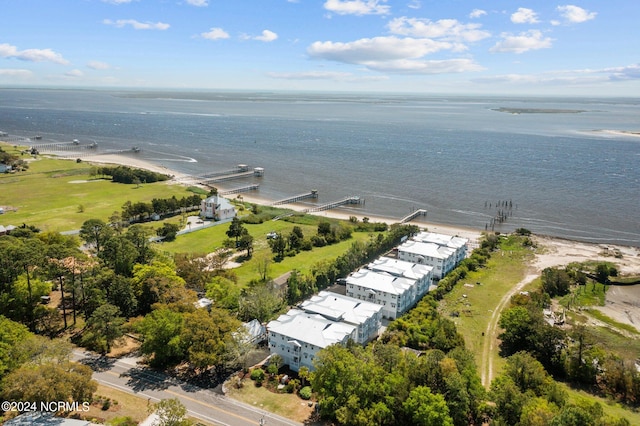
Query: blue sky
(572, 47)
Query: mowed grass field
(210, 239)
(59, 195)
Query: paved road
(126, 375)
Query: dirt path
(490, 342)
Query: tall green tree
(235, 229)
(278, 246)
(96, 232)
(206, 336)
(11, 333)
(103, 328)
(424, 408)
(119, 254)
(161, 333)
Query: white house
(217, 208)
(298, 336)
(395, 294)
(366, 316)
(423, 274)
(442, 259)
(458, 244)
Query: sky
(502, 47)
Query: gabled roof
(380, 281)
(400, 268)
(337, 307)
(441, 239)
(426, 249)
(297, 325)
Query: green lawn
(59, 195)
(475, 303)
(211, 239)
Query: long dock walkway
(419, 212)
(312, 194)
(354, 199)
(240, 189)
(223, 178)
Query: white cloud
(74, 73)
(267, 36)
(137, 25)
(524, 16)
(325, 75)
(446, 29)
(476, 13)
(215, 34)
(97, 65)
(630, 72)
(198, 3)
(415, 4)
(357, 7)
(13, 72)
(31, 55)
(575, 14)
(523, 42)
(392, 54)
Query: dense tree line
(160, 206)
(383, 384)
(127, 175)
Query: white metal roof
(441, 239)
(340, 308)
(400, 268)
(311, 328)
(426, 249)
(380, 281)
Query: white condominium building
(297, 336)
(365, 316)
(458, 244)
(395, 294)
(423, 274)
(442, 259)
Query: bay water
(545, 162)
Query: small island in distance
(539, 110)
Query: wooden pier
(419, 212)
(64, 146)
(241, 189)
(258, 171)
(240, 168)
(312, 194)
(354, 199)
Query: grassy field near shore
(59, 195)
(210, 239)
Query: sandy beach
(622, 303)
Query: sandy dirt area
(622, 302)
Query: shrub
(257, 375)
(305, 392)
